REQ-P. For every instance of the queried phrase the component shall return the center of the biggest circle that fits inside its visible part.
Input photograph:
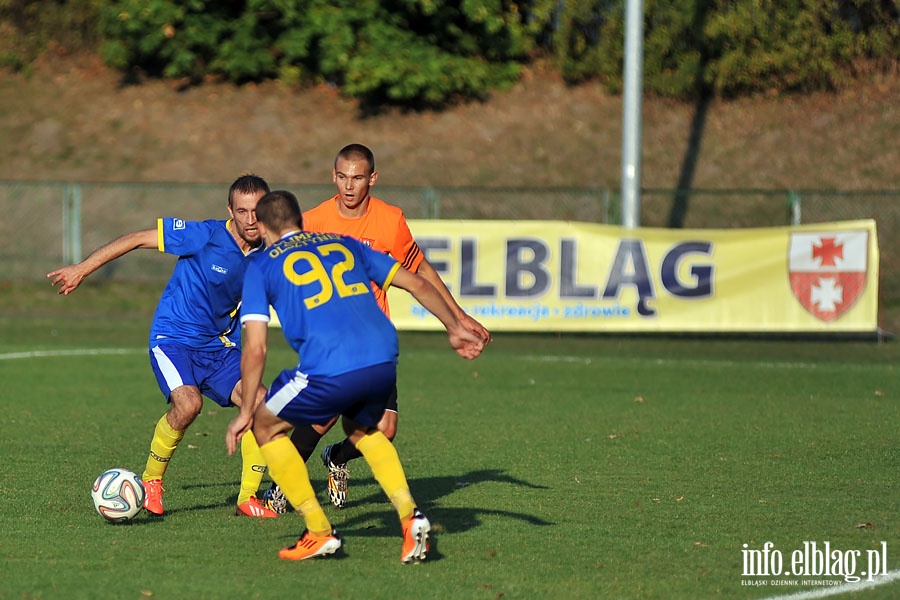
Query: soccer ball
(118, 495)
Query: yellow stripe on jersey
(390, 276)
(160, 239)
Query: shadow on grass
(427, 491)
(189, 508)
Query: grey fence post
(794, 208)
(72, 224)
(606, 215)
(432, 202)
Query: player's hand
(68, 278)
(467, 344)
(240, 425)
(475, 327)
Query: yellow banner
(563, 276)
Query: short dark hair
(247, 184)
(356, 152)
(279, 210)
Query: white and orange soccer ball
(118, 495)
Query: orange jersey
(382, 228)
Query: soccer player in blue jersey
(319, 285)
(195, 343)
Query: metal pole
(631, 114)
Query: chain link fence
(47, 224)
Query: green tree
(190, 39)
(424, 52)
(730, 47)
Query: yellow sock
(253, 468)
(289, 472)
(162, 447)
(384, 461)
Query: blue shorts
(359, 395)
(214, 373)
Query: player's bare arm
(70, 277)
(428, 272)
(253, 363)
(466, 343)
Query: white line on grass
(692, 362)
(847, 588)
(525, 357)
(75, 352)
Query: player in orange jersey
(354, 212)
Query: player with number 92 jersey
(322, 291)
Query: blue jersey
(318, 284)
(199, 307)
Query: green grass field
(551, 467)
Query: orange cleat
(415, 538)
(153, 496)
(310, 546)
(254, 508)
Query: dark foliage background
(427, 53)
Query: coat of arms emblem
(827, 270)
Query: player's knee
(180, 417)
(184, 409)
